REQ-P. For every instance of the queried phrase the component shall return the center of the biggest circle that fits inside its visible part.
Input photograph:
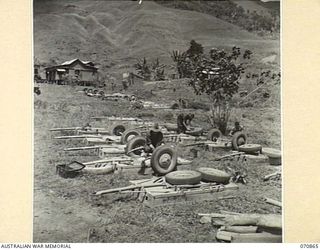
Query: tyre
(118, 129)
(214, 134)
(135, 142)
(128, 135)
(238, 139)
(183, 177)
(214, 175)
(250, 148)
(164, 159)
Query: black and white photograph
(157, 121)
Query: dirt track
(65, 210)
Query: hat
(155, 128)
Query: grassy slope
(64, 209)
(117, 32)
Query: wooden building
(76, 71)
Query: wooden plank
(90, 132)
(224, 236)
(240, 229)
(267, 177)
(77, 137)
(115, 159)
(256, 238)
(132, 187)
(110, 118)
(106, 151)
(273, 202)
(65, 129)
(188, 192)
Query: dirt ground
(65, 209)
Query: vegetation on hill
(264, 23)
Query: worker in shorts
(182, 127)
(153, 140)
(237, 128)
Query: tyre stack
(192, 177)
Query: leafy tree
(185, 61)
(217, 75)
(195, 49)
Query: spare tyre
(214, 175)
(238, 139)
(135, 142)
(117, 129)
(250, 148)
(214, 134)
(164, 159)
(183, 177)
(128, 135)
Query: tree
(218, 75)
(195, 49)
(153, 71)
(143, 68)
(185, 61)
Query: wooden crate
(155, 196)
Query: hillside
(115, 33)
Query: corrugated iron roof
(73, 60)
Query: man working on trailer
(237, 128)
(187, 119)
(182, 127)
(153, 140)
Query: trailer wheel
(214, 175)
(183, 177)
(250, 148)
(238, 139)
(135, 142)
(128, 135)
(214, 134)
(118, 129)
(164, 159)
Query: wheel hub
(165, 160)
